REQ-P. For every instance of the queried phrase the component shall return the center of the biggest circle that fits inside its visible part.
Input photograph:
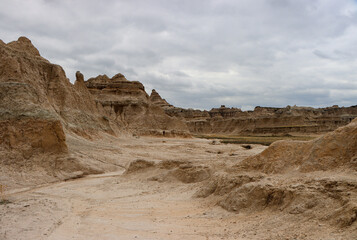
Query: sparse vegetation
(263, 140)
(4, 201)
(247, 146)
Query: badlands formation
(263, 120)
(101, 159)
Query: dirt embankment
(305, 181)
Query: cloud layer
(202, 53)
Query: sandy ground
(117, 206)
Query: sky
(202, 53)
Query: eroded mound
(139, 165)
(313, 180)
(168, 170)
(337, 149)
(326, 200)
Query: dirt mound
(138, 165)
(191, 174)
(325, 200)
(222, 183)
(296, 198)
(333, 150)
(168, 170)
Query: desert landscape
(101, 159)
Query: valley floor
(134, 206)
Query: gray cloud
(202, 53)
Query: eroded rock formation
(127, 104)
(314, 180)
(39, 107)
(263, 120)
(333, 150)
(156, 99)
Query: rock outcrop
(46, 88)
(263, 120)
(40, 107)
(128, 105)
(333, 150)
(156, 99)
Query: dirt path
(111, 206)
(131, 207)
(114, 207)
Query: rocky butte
(128, 105)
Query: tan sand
(139, 206)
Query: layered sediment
(128, 105)
(40, 108)
(261, 121)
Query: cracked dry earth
(134, 206)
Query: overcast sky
(202, 53)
